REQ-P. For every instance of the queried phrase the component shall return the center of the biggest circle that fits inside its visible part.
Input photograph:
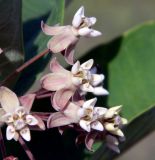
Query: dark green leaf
(35, 41)
(128, 63)
(10, 38)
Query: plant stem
(26, 149)
(2, 145)
(25, 65)
(44, 96)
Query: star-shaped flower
(16, 114)
(66, 83)
(65, 38)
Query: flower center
(88, 114)
(19, 124)
(84, 75)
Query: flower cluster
(67, 90)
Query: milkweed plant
(67, 89)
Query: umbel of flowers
(67, 90)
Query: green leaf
(35, 41)
(128, 63)
(10, 38)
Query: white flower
(16, 114)
(90, 116)
(66, 37)
(87, 81)
(83, 24)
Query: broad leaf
(128, 63)
(10, 38)
(35, 41)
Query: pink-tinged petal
(31, 120)
(84, 31)
(56, 81)
(61, 98)
(27, 101)
(78, 99)
(25, 133)
(11, 158)
(69, 54)
(1, 50)
(61, 42)
(78, 17)
(2, 113)
(71, 111)
(40, 124)
(8, 100)
(10, 132)
(58, 119)
(54, 30)
(88, 64)
(75, 67)
(94, 33)
(85, 125)
(100, 91)
(97, 79)
(89, 140)
(16, 136)
(97, 126)
(56, 67)
(90, 103)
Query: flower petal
(69, 53)
(56, 81)
(118, 132)
(84, 31)
(58, 119)
(97, 79)
(89, 140)
(90, 103)
(8, 100)
(40, 123)
(99, 111)
(75, 68)
(71, 111)
(10, 132)
(100, 91)
(112, 111)
(27, 101)
(94, 33)
(61, 98)
(55, 66)
(87, 87)
(31, 120)
(113, 147)
(96, 125)
(78, 17)
(61, 42)
(85, 125)
(54, 30)
(88, 64)
(1, 50)
(25, 133)
(92, 21)
(2, 113)
(112, 140)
